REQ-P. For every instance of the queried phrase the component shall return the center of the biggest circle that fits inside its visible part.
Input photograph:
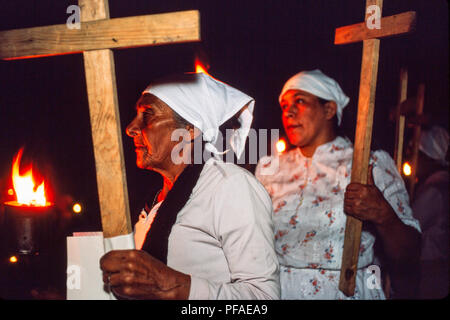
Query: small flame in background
(77, 208)
(281, 146)
(24, 186)
(200, 67)
(407, 169)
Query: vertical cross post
(361, 153)
(400, 120)
(106, 132)
(387, 26)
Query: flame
(407, 169)
(200, 68)
(281, 146)
(76, 208)
(24, 186)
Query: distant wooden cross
(368, 33)
(97, 35)
(400, 120)
(411, 109)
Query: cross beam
(413, 108)
(393, 25)
(390, 26)
(98, 34)
(101, 33)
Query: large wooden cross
(97, 35)
(389, 26)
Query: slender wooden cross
(413, 107)
(97, 35)
(418, 104)
(400, 120)
(389, 26)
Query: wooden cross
(97, 35)
(400, 120)
(389, 26)
(418, 104)
(413, 107)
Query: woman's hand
(134, 274)
(367, 203)
(401, 243)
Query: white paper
(119, 243)
(84, 276)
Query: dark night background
(252, 45)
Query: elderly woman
(208, 233)
(312, 194)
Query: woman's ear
(330, 109)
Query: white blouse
(223, 236)
(307, 195)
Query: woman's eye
(148, 114)
(300, 101)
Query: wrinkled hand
(366, 202)
(134, 274)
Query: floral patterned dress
(309, 221)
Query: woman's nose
(132, 129)
(291, 111)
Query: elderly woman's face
(151, 131)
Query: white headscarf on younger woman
(320, 85)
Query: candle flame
(76, 208)
(407, 169)
(24, 186)
(281, 146)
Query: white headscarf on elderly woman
(207, 103)
(320, 85)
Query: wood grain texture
(106, 131)
(100, 33)
(361, 153)
(390, 26)
(366, 104)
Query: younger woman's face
(304, 117)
